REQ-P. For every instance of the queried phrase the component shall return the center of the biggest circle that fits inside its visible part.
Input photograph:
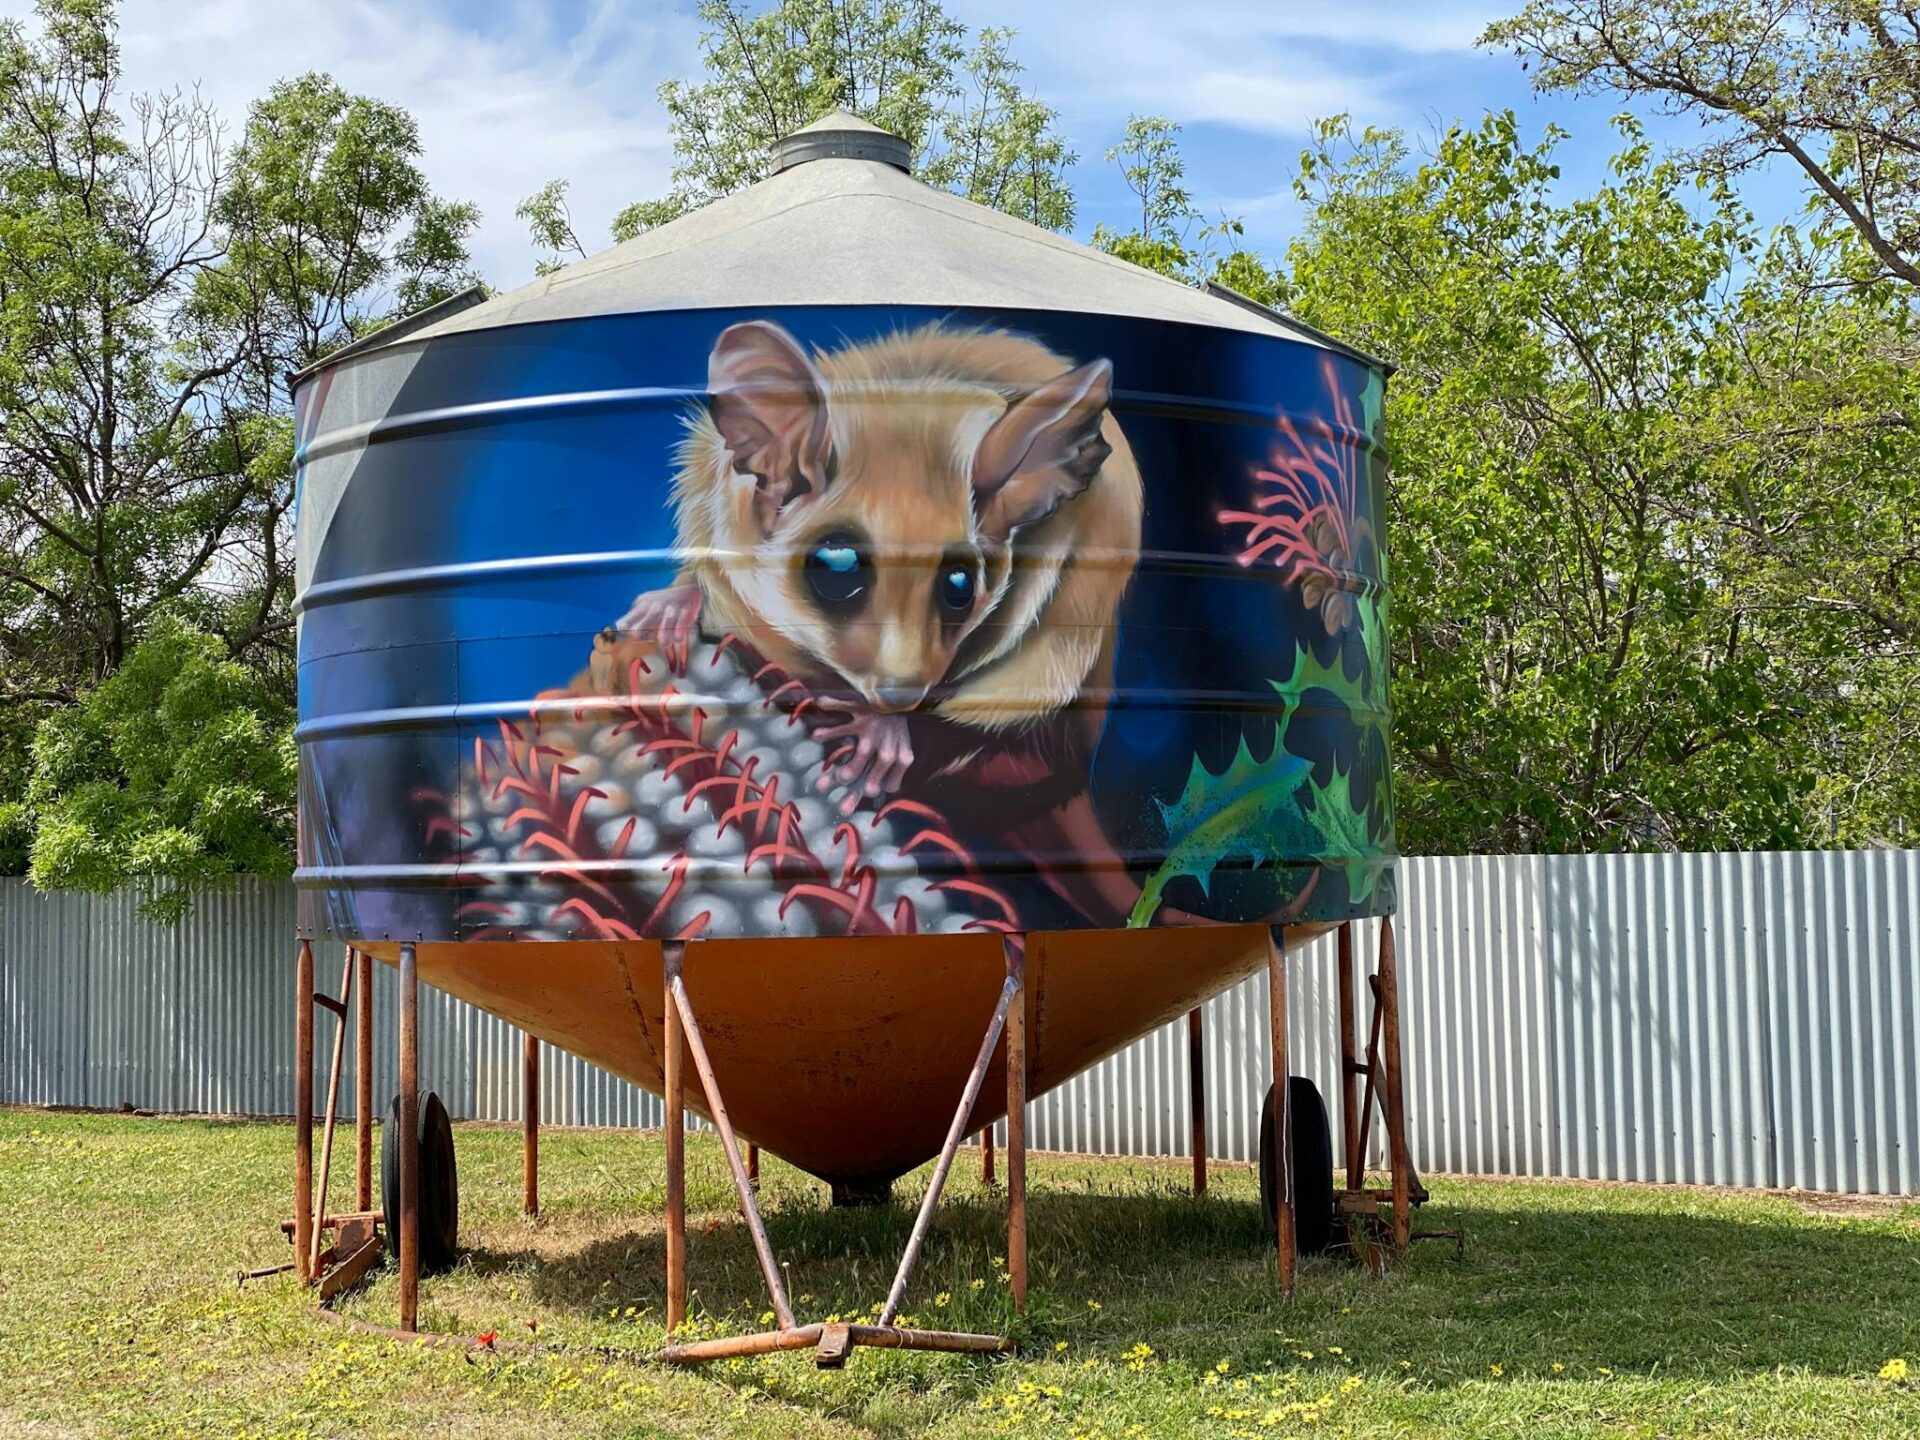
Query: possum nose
(899, 697)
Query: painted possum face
(882, 511)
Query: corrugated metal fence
(1728, 1019)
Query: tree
(1149, 158)
(1577, 666)
(118, 495)
(550, 223)
(156, 291)
(1833, 85)
(1001, 149)
(900, 64)
(175, 773)
(1809, 436)
(1811, 439)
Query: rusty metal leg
(1350, 1067)
(1392, 1094)
(753, 1166)
(986, 1155)
(339, 1009)
(676, 1126)
(530, 1124)
(363, 1081)
(1016, 947)
(303, 1227)
(956, 1132)
(673, 957)
(1197, 1097)
(1282, 1111)
(409, 1142)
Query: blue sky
(509, 93)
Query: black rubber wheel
(439, 1184)
(1313, 1226)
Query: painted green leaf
(1344, 836)
(1238, 814)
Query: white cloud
(502, 106)
(514, 92)
(1257, 65)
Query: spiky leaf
(1344, 835)
(1239, 814)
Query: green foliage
(1148, 155)
(904, 65)
(550, 223)
(1000, 146)
(330, 225)
(157, 288)
(1149, 159)
(175, 773)
(1832, 85)
(1576, 667)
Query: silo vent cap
(840, 136)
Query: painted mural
(896, 624)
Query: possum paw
(669, 618)
(876, 748)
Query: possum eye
(839, 572)
(957, 587)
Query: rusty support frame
(1016, 951)
(530, 1123)
(922, 1222)
(409, 1141)
(333, 1108)
(673, 1066)
(1353, 1148)
(1285, 1243)
(1384, 1072)
(1197, 1097)
(833, 1343)
(303, 1226)
(363, 1081)
(673, 958)
(986, 1155)
(1393, 1095)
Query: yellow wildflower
(940, 1300)
(1895, 1370)
(977, 1283)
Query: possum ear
(770, 406)
(1045, 449)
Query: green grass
(1576, 1310)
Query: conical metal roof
(841, 222)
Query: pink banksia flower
(595, 815)
(1306, 519)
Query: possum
(933, 529)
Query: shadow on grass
(1640, 1285)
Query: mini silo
(820, 590)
